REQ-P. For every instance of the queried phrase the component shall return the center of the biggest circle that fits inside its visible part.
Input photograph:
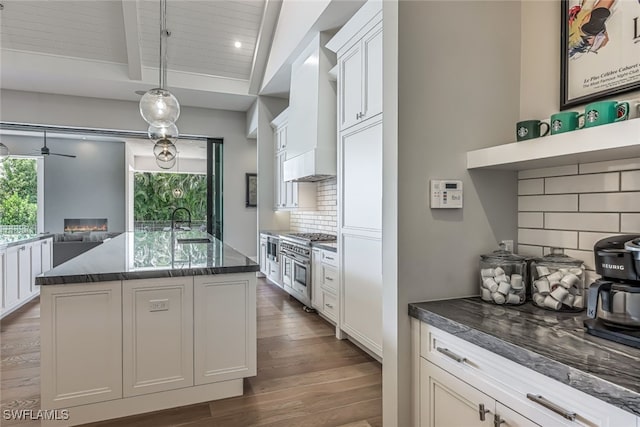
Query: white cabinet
(456, 377)
(12, 271)
(81, 338)
(263, 254)
(157, 335)
(225, 328)
(288, 195)
(273, 273)
(325, 287)
(47, 254)
(24, 272)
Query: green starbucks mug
(529, 129)
(566, 122)
(604, 112)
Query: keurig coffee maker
(613, 304)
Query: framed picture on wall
(251, 197)
(600, 51)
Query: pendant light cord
(163, 48)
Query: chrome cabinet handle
(22, 248)
(328, 278)
(329, 305)
(328, 257)
(482, 412)
(497, 420)
(45, 242)
(552, 406)
(450, 354)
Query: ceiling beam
(132, 38)
(263, 44)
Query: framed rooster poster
(600, 51)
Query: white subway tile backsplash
(586, 240)
(555, 238)
(582, 221)
(630, 223)
(552, 171)
(530, 186)
(324, 218)
(587, 257)
(630, 181)
(582, 183)
(610, 202)
(613, 165)
(530, 219)
(561, 203)
(529, 251)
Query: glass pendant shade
(159, 107)
(165, 150)
(4, 152)
(163, 132)
(166, 164)
(178, 193)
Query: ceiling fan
(46, 152)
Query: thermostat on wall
(446, 193)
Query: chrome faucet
(174, 222)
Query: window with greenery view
(157, 195)
(18, 196)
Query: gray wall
(458, 90)
(90, 186)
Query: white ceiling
(110, 48)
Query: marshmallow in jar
(502, 277)
(557, 282)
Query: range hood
(311, 166)
(311, 132)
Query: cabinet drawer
(330, 278)
(329, 305)
(330, 258)
(512, 383)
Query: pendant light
(165, 152)
(158, 106)
(4, 152)
(177, 191)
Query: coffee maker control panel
(446, 194)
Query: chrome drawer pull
(497, 420)
(328, 278)
(328, 257)
(451, 355)
(552, 406)
(329, 305)
(482, 412)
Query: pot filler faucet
(177, 225)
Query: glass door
(214, 187)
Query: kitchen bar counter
(9, 240)
(551, 343)
(146, 255)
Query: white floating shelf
(607, 142)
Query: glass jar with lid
(557, 282)
(503, 277)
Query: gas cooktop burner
(313, 237)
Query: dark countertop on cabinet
(327, 246)
(275, 232)
(554, 344)
(9, 240)
(145, 255)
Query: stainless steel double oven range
(295, 263)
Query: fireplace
(72, 225)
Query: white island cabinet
(122, 336)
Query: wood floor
(306, 377)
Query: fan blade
(62, 155)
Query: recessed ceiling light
(238, 45)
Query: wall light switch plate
(446, 194)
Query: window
(20, 190)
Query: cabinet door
(11, 296)
(36, 264)
(47, 254)
(225, 327)
(274, 270)
(316, 280)
(157, 335)
(287, 271)
(446, 401)
(281, 185)
(350, 90)
(24, 271)
(291, 194)
(372, 70)
(263, 257)
(511, 418)
(81, 339)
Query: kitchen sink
(194, 240)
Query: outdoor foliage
(154, 199)
(18, 192)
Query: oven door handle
(295, 257)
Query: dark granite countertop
(327, 246)
(551, 343)
(9, 240)
(144, 255)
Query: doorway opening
(21, 195)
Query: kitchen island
(143, 322)
(529, 353)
